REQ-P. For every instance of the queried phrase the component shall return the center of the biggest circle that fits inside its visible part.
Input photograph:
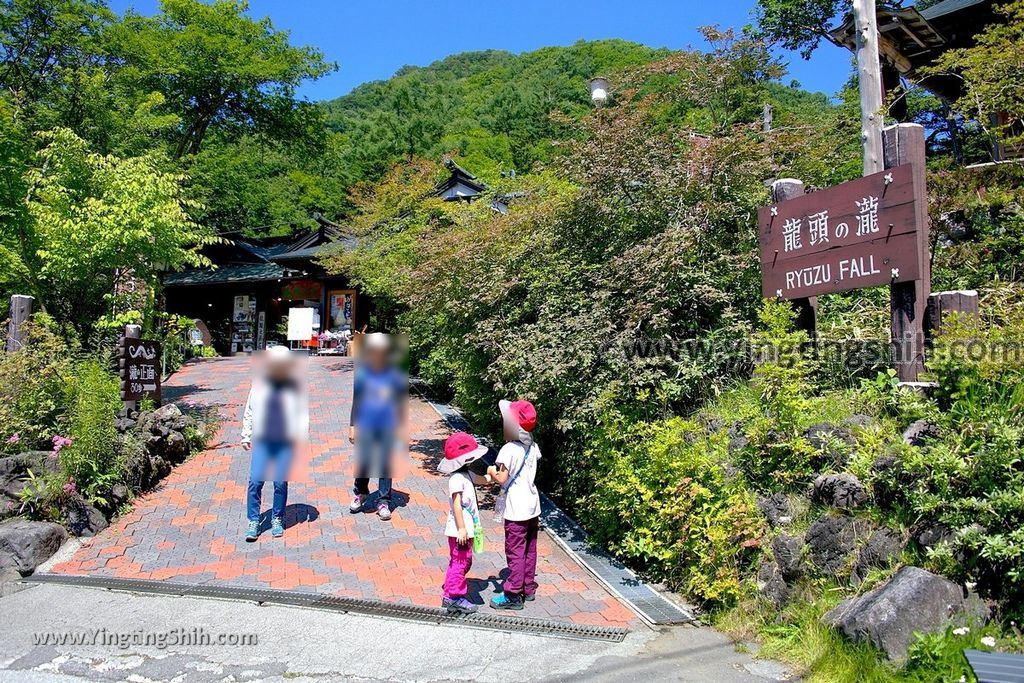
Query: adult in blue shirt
(378, 417)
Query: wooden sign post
(138, 363)
(864, 233)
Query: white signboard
(300, 324)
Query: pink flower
(70, 488)
(60, 442)
(14, 438)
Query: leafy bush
(971, 478)
(91, 461)
(33, 384)
(663, 500)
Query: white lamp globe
(599, 91)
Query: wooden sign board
(139, 367)
(863, 233)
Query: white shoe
(357, 503)
(384, 511)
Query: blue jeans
(267, 455)
(373, 458)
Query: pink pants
(460, 560)
(521, 555)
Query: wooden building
(245, 298)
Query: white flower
(988, 641)
(963, 679)
(962, 631)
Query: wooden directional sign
(863, 233)
(139, 367)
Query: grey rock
(737, 444)
(176, 446)
(841, 491)
(24, 545)
(83, 519)
(788, 553)
(776, 508)
(920, 432)
(860, 421)
(771, 585)
(124, 424)
(120, 494)
(10, 582)
(931, 534)
(913, 601)
(833, 444)
(882, 548)
(712, 423)
(15, 474)
(831, 540)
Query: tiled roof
(948, 7)
(238, 272)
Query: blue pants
(373, 459)
(267, 455)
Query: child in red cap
(460, 450)
(518, 503)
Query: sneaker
(252, 532)
(458, 606)
(357, 503)
(277, 527)
(502, 601)
(384, 510)
(529, 597)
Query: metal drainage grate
(333, 603)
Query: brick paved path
(191, 528)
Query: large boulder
(882, 548)
(841, 491)
(81, 518)
(24, 545)
(831, 540)
(913, 601)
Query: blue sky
(372, 40)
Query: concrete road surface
(65, 633)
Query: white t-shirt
(459, 482)
(523, 499)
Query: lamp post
(599, 91)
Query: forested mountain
(493, 108)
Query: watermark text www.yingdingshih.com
(176, 637)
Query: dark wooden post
(904, 144)
(941, 304)
(807, 307)
(21, 309)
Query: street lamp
(599, 91)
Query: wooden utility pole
(904, 144)
(21, 309)
(869, 77)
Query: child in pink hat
(460, 450)
(519, 502)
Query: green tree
(993, 74)
(214, 65)
(92, 219)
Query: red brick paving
(191, 528)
